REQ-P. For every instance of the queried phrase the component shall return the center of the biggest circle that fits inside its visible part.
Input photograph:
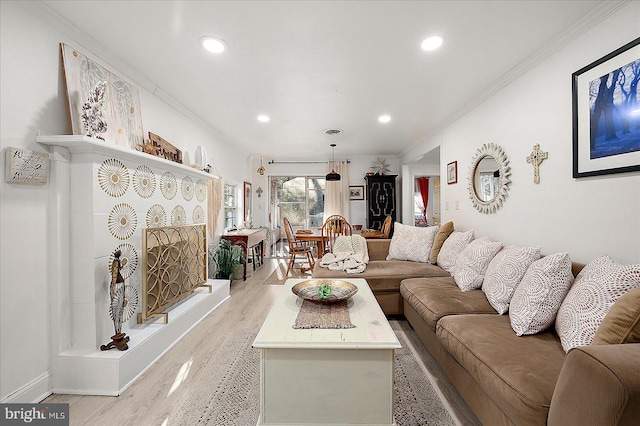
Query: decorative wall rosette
(187, 188)
(178, 216)
(113, 177)
(198, 214)
(144, 181)
(122, 221)
(128, 298)
(128, 259)
(156, 216)
(168, 185)
(201, 190)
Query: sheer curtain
(336, 193)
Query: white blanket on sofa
(349, 254)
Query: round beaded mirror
(489, 178)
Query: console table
(248, 239)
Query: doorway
(426, 190)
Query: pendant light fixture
(261, 168)
(333, 176)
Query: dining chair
(333, 227)
(297, 247)
(386, 227)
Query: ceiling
(317, 65)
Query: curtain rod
(299, 161)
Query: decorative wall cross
(259, 191)
(536, 158)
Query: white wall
(34, 98)
(586, 217)
(358, 168)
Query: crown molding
(590, 20)
(105, 57)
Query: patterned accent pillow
(411, 243)
(535, 302)
(451, 249)
(473, 262)
(504, 273)
(596, 288)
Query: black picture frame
(595, 90)
(356, 192)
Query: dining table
(313, 235)
(369, 233)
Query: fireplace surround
(101, 198)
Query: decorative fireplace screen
(174, 262)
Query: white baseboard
(33, 392)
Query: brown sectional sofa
(505, 379)
(384, 276)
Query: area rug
(228, 392)
(279, 276)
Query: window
(300, 199)
(230, 205)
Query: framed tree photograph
(452, 172)
(356, 192)
(606, 114)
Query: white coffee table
(326, 376)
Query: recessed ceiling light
(384, 119)
(432, 43)
(263, 118)
(213, 44)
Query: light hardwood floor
(151, 399)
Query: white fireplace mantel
(79, 246)
(78, 144)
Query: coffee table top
(372, 330)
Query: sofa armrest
(378, 248)
(598, 385)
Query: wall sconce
(261, 169)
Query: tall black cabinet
(381, 199)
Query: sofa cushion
(443, 233)
(596, 288)
(518, 373)
(378, 248)
(622, 322)
(504, 273)
(535, 302)
(391, 270)
(451, 249)
(433, 298)
(472, 263)
(411, 242)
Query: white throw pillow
(535, 302)
(411, 242)
(504, 273)
(596, 288)
(473, 262)
(451, 249)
